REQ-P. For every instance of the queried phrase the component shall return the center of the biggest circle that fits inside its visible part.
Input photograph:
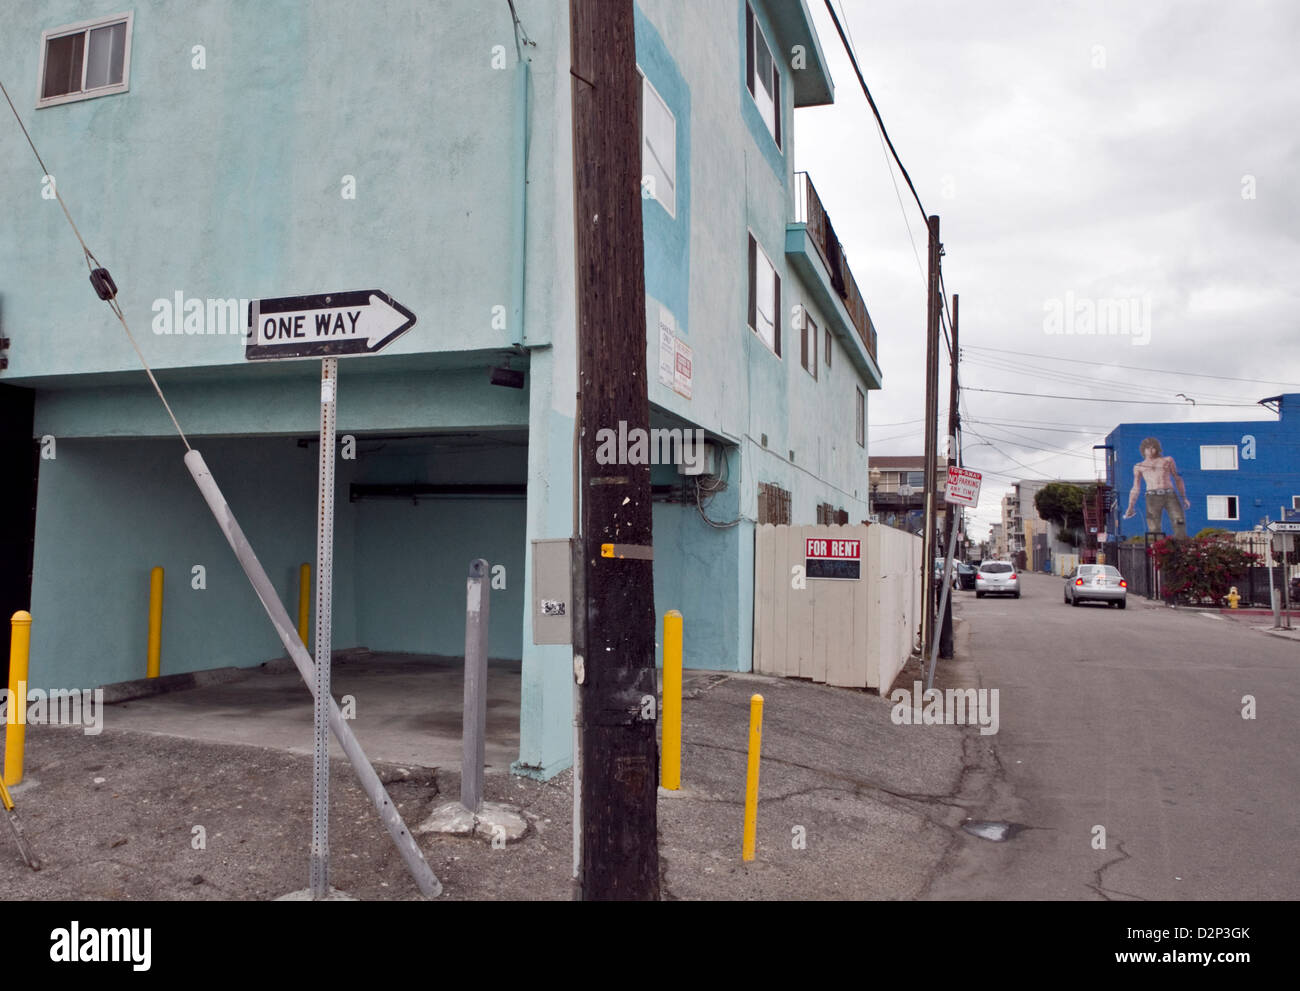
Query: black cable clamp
(103, 283)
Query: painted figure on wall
(1165, 492)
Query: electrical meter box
(553, 591)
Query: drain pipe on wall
(522, 138)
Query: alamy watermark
(57, 707)
(657, 446)
(1084, 316)
(195, 315)
(953, 707)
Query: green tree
(1061, 503)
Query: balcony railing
(808, 210)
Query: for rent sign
(829, 558)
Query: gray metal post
(284, 626)
(474, 724)
(943, 600)
(320, 796)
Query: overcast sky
(1075, 152)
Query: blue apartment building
(1235, 474)
(214, 153)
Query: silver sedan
(1096, 583)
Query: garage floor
(408, 709)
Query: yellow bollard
(751, 777)
(20, 643)
(155, 622)
(304, 602)
(671, 765)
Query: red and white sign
(836, 550)
(829, 558)
(963, 486)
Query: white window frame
(761, 256)
(85, 27)
(1295, 502)
(774, 90)
(1210, 513)
(1217, 448)
(669, 204)
(860, 416)
(809, 333)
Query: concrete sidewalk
(163, 804)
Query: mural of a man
(1165, 492)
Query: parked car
(996, 578)
(965, 575)
(938, 572)
(1096, 583)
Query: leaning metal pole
(424, 877)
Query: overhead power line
(1091, 399)
(848, 48)
(1140, 368)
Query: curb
(141, 688)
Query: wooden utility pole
(954, 511)
(618, 688)
(933, 302)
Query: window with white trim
(1218, 457)
(764, 297)
(1295, 502)
(658, 148)
(809, 333)
(762, 75)
(85, 60)
(861, 414)
(1221, 507)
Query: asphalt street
(1132, 721)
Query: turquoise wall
(228, 181)
(108, 511)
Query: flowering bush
(1204, 567)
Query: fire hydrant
(1233, 598)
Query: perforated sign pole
(320, 811)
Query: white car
(997, 578)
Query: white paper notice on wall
(683, 366)
(667, 348)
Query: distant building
(1179, 478)
(898, 490)
(1024, 530)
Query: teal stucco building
(216, 152)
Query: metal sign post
(963, 489)
(320, 811)
(323, 326)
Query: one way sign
(325, 325)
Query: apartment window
(658, 148)
(1218, 457)
(861, 417)
(85, 60)
(762, 76)
(1295, 503)
(827, 349)
(773, 504)
(916, 479)
(1221, 507)
(828, 515)
(808, 343)
(764, 297)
